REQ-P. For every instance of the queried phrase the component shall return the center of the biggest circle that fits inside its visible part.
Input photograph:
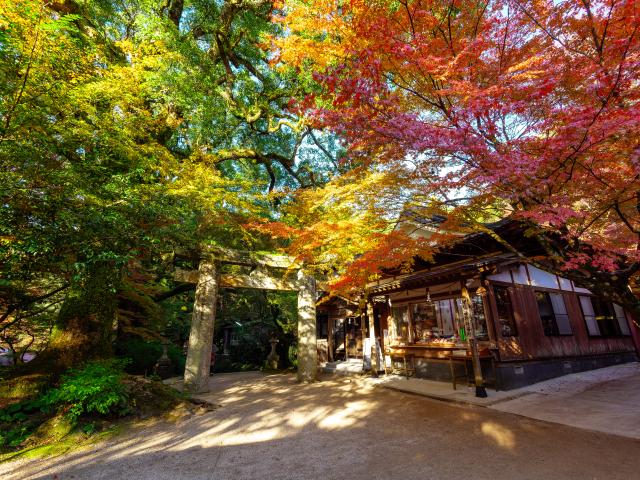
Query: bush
(178, 359)
(143, 355)
(95, 388)
(18, 421)
(15, 435)
(293, 355)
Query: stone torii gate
(209, 280)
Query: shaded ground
(271, 427)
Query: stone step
(344, 367)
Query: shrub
(18, 421)
(178, 359)
(14, 436)
(223, 364)
(293, 355)
(95, 388)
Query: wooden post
(473, 344)
(375, 366)
(363, 333)
(196, 371)
(330, 340)
(307, 347)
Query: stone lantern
(163, 367)
(273, 357)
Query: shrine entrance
(259, 271)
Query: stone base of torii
(209, 280)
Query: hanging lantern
(429, 297)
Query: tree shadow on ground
(272, 427)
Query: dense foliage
(130, 134)
(97, 392)
(248, 320)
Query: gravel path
(340, 428)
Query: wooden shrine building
(528, 325)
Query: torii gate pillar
(307, 349)
(196, 371)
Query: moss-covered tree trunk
(87, 322)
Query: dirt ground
(269, 427)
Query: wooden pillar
(307, 346)
(331, 323)
(473, 343)
(345, 338)
(196, 372)
(363, 334)
(375, 365)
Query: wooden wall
(531, 342)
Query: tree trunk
(86, 323)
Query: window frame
(498, 323)
(413, 306)
(614, 317)
(395, 323)
(547, 293)
(322, 321)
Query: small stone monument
(273, 357)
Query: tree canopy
(476, 111)
(132, 132)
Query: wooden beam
(375, 364)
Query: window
(400, 323)
(425, 322)
(603, 319)
(446, 316)
(622, 319)
(553, 314)
(321, 326)
(479, 320)
(540, 278)
(506, 320)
